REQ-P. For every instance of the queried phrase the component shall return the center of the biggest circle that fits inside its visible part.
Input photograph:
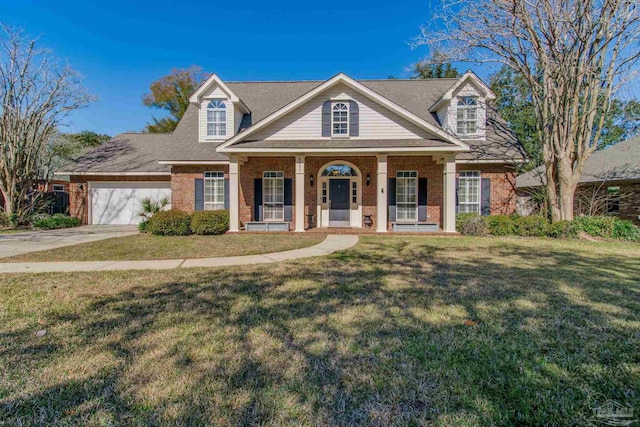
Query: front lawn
(148, 246)
(396, 331)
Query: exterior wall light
(311, 180)
(368, 179)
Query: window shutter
(199, 194)
(288, 199)
(485, 194)
(226, 193)
(326, 118)
(457, 203)
(422, 199)
(257, 199)
(391, 198)
(354, 119)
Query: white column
(381, 217)
(234, 196)
(299, 194)
(449, 199)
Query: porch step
(419, 227)
(267, 226)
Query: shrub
(625, 230)
(530, 226)
(4, 219)
(210, 222)
(461, 218)
(55, 221)
(473, 225)
(170, 223)
(501, 225)
(597, 226)
(563, 230)
(142, 226)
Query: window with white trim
(213, 191)
(467, 116)
(216, 118)
(406, 196)
(58, 188)
(273, 196)
(340, 119)
(469, 192)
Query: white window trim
(403, 178)
(348, 122)
(214, 122)
(460, 108)
(279, 176)
(58, 188)
(216, 180)
(466, 177)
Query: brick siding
(183, 184)
(503, 184)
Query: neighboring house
(380, 154)
(610, 182)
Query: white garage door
(120, 202)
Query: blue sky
(120, 47)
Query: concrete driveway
(32, 241)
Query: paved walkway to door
(331, 244)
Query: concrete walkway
(41, 240)
(331, 244)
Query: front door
(339, 206)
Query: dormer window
(216, 118)
(467, 116)
(340, 119)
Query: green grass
(375, 335)
(148, 246)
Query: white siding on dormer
(203, 118)
(448, 115)
(376, 121)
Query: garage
(119, 203)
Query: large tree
(37, 93)
(514, 104)
(171, 93)
(573, 55)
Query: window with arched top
(340, 119)
(339, 170)
(216, 118)
(467, 116)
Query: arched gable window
(340, 119)
(216, 118)
(467, 117)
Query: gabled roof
(620, 162)
(469, 76)
(457, 144)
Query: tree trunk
(567, 195)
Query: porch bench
(416, 227)
(267, 226)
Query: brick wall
(253, 169)
(503, 180)
(426, 168)
(592, 198)
(183, 184)
(78, 200)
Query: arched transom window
(216, 118)
(339, 170)
(340, 119)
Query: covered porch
(402, 192)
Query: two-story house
(401, 155)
